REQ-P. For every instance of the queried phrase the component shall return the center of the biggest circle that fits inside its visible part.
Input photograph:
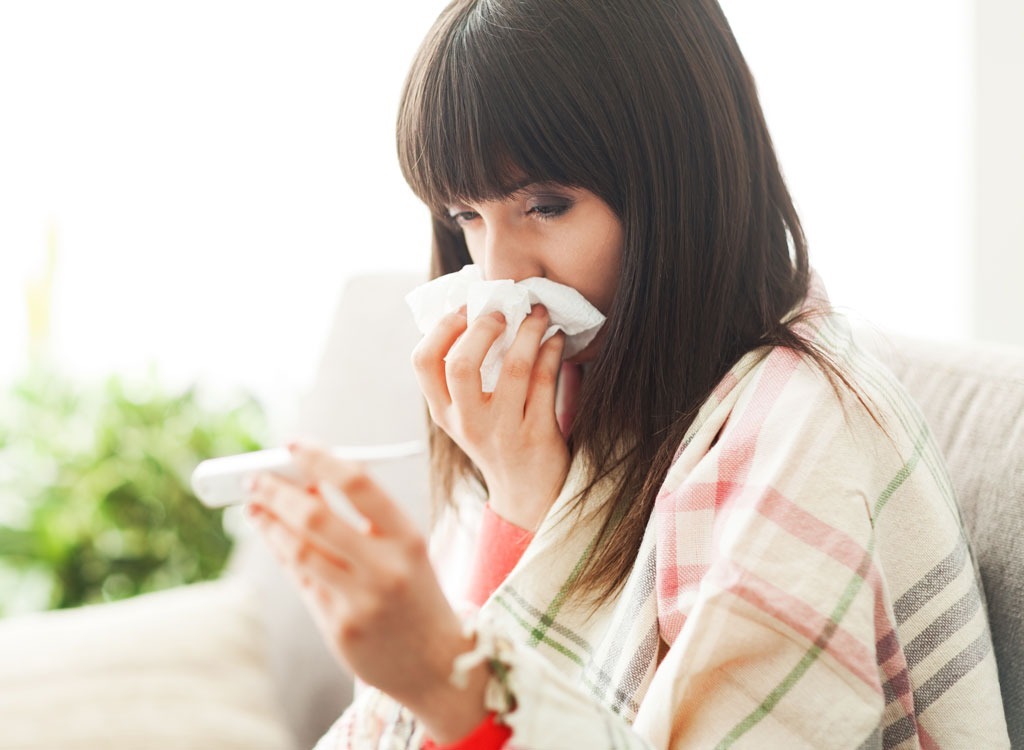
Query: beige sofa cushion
(973, 398)
(364, 392)
(174, 670)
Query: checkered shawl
(808, 569)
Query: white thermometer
(222, 481)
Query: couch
(237, 663)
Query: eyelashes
(542, 208)
(546, 211)
(459, 218)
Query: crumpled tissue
(568, 310)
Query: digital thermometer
(218, 482)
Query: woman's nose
(506, 256)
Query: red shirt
(498, 549)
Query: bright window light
(210, 173)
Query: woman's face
(567, 235)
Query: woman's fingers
(282, 542)
(308, 516)
(447, 361)
(317, 575)
(540, 400)
(428, 360)
(318, 465)
(517, 369)
(462, 366)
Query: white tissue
(568, 310)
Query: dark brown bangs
(481, 114)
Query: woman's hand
(512, 435)
(373, 593)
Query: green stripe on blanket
(843, 605)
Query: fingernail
(498, 316)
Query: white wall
(213, 170)
(998, 226)
(869, 107)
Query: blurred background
(185, 187)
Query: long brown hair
(650, 105)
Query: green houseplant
(95, 502)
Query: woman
(721, 523)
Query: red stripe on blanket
(670, 625)
(737, 453)
(892, 662)
(679, 579)
(796, 614)
(671, 585)
(811, 530)
(927, 741)
(671, 577)
(769, 503)
(674, 579)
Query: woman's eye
(549, 210)
(461, 217)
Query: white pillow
(174, 670)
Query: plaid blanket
(807, 570)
